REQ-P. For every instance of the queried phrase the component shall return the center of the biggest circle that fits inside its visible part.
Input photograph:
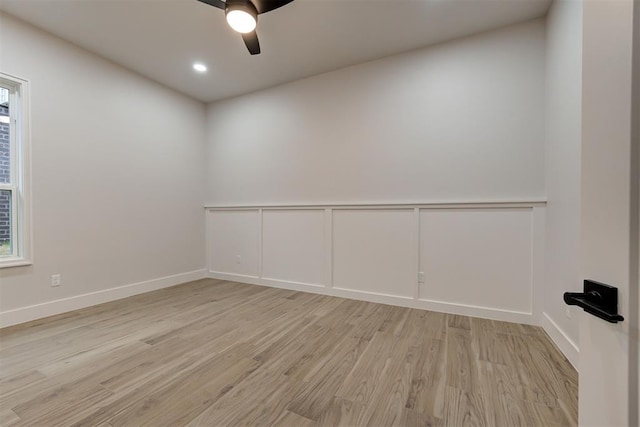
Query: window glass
(5, 145)
(6, 248)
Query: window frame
(20, 172)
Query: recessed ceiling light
(199, 67)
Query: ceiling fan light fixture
(241, 16)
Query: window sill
(14, 262)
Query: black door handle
(598, 299)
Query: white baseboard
(401, 301)
(564, 343)
(50, 308)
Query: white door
(608, 352)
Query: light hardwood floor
(213, 353)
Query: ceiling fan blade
(264, 6)
(215, 3)
(251, 40)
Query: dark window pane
(6, 244)
(5, 147)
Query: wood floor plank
(395, 320)
(321, 384)
(462, 365)
(10, 385)
(137, 381)
(463, 408)
(537, 379)
(394, 388)
(566, 378)
(214, 352)
(426, 394)
(314, 356)
(258, 400)
(411, 418)
(362, 382)
(8, 418)
(457, 321)
(370, 322)
(513, 412)
(290, 419)
(422, 325)
(183, 399)
(89, 359)
(552, 416)
(486, 344)
(342, 412)
(62, 405)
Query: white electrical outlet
(238, 259)
(568, 312)
(56, 280)
(421, 277)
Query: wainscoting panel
(293, 245)
(374, 251)
(234, 242)
(479, 257)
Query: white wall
(563, 171)
(117, 178)
(462, 120)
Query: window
(15, 213)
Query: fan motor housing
(244, 5)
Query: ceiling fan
(242, 16)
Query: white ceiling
(162, 38)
